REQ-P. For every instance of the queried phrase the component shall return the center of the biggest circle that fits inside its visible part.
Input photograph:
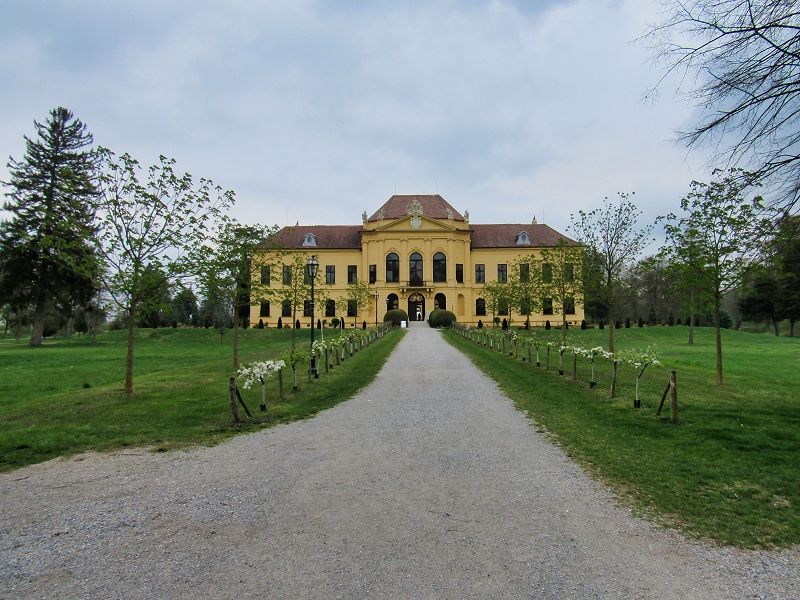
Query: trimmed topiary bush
(547, 324)
(297, 324)
(627, 323)
(480, 324)
(441, 318)
(395, 316)
(583, 325)
(280, 322)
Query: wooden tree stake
(673, 386)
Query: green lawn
(728, 471)
(67, 395)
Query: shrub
(583, 324)
(602, 325)
(260, 324)
(297, 324)
(627, 323)
(671, 319)
(442, 318)
(319, 324)
(618, 325)
(505, 324)
(431, 315)
(280, 322)
(335, 322)
(480, 324)
(393, 316)
(364, 325)
(640, 323)
(547, 324)
(679, 321)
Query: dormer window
(523, 238)
(310, 240)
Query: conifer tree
(45, 244)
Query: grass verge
(729, 471)
(67, 396)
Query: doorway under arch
(416, 307)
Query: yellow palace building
(418, 253)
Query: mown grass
(67, 396)
(729, 471)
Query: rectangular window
(287, 275)
(480, 307)
(524, 272)
(569, 272)
(286, 309)
(547, 306)
(307, 308)
(569, 306)
(480, 274)
(306, 276)
(502, 273)
(352, 274)
(373, 273)
(459, 273)
(351, 308)
(502, 307)
(547, 273)
(330, 274)
(264, 309)
(265, 275)
(330, 308)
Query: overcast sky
(314, 111)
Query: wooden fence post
(239, 396)
(673, 397)
(614, 380)
(234, 407)
(280, 383)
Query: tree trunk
(39, 318)
(563, 324)
(236, 338)
(18, 332)
(129, 359)
(719, 338)
(791, 327)
(775, 325)
(691, 318)
(610, 329)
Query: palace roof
(505, 235)
(325, 236)
(432, 205)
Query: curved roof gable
(433, 205)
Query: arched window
(439, 301)
(439, 267)
(415, 269)
(392, 268)
(392, 302)
(480, 307)
(309, 240)
(523, 238)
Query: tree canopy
(47, 258)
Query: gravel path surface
(428, 484)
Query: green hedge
(441, 318)
(395, 316)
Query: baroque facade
(418, 253)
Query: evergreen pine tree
(45, 244)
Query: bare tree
(612, 242)
(738, 62)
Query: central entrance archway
(416, 307)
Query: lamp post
(376, 307)
(313, 265)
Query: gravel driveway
(428, 484)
